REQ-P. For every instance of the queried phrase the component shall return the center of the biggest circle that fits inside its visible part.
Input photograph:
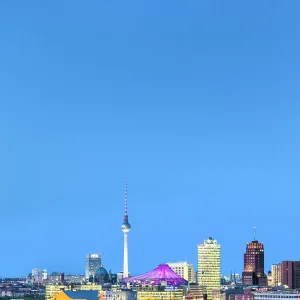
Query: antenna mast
(126, 197)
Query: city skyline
(127, 227)
(98, 259)
(196, 104)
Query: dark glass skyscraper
(254, 264)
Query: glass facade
(92, 264)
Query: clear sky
(195, 103)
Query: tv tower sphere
(126, 227)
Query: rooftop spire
(254, 229)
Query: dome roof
(101, 272)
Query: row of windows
(276, 296)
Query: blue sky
(195, 103)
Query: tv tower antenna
(125, 228)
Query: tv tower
(125, 228)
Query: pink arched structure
(162, 273)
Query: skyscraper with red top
(254, 264)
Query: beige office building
(276, 275)
(209, 266)
(184, 270)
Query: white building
(37, 275)
(45, 275)
(276, 296)
(184, 270)
(276, 275)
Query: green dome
(101, 276)
(101, 272)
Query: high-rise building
(45, 275)
(184, 270)
(254, 264)
(276, 274)
(125, 228)
(37, 275)
(92, 264)
(209, 265)
(290, 274)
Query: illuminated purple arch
(162, 273)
